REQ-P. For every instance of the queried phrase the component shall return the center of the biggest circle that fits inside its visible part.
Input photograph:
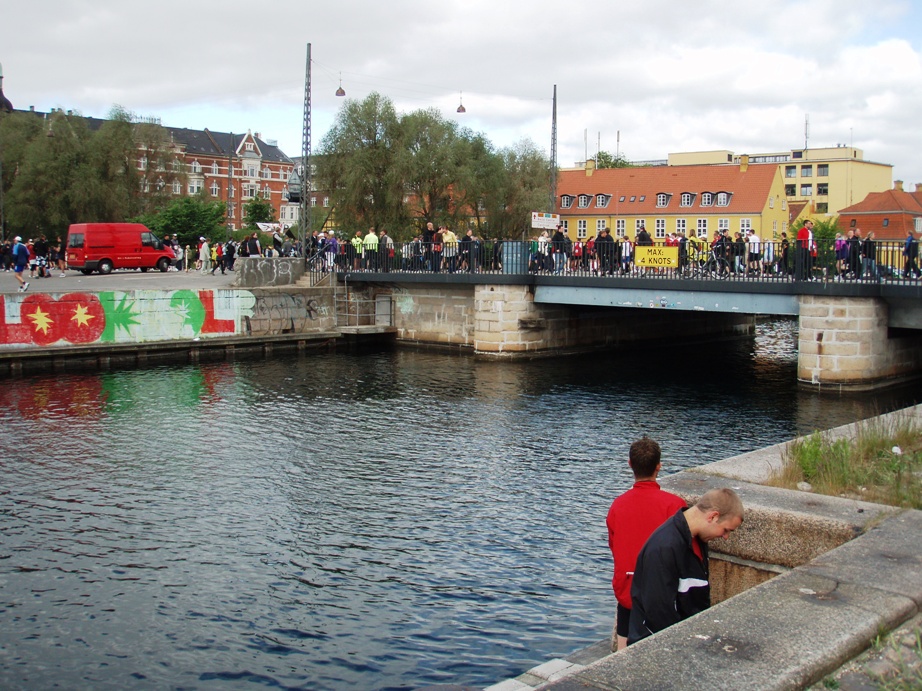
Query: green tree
(189, 218)
(359, 164)
(258, 210)
(524, 189)
(606, 159)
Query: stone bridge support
(845, 344)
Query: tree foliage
(606, 159)
(258, 210)
(401, 172)
(189, 218)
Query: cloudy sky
(667, 75)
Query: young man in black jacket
(671, 575)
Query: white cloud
(669, 76)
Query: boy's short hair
(723, 500)
(644, 456)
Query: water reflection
(380, 520)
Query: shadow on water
(375, 520)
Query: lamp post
(304, 223)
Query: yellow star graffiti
(82, 315)
(41, 320)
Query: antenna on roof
(806, 129)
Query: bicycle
(711, 266)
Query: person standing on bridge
(632, 518)
(802, 259)
(911, 254)
(370, 245)
(204, 255)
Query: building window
(142, 163)
(249, 146)
(723, 224)
(581, 226)
(822, 207)
(313, 201)
(680, 225)
(633, 198)
(214, 168)
(566, 226)
(583, 201)
(797, 154)
(566, 201)
(723, 199)
(145, 186)
(886, 222)
(806, 171)
(790, 190)
(702, 227)
(601, 200)
(687, 199)
(177, 187)
(822, 170)
(771, 202)
(251, 171)
(267, 174)
(822, 188)
(745, 224)
(600, 225)
(196, 167)
(707, 199)
(195, 186)
(643, 197)
(326, 201)
(266, 192)
(214, 189)
(853, 223)
(620, 227)
(638, 224)
(790, 171)
(621, 198)
(784, 204)
(660, 231)
(662, 199)
(580, 230)
(806, 190)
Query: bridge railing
(771, 260)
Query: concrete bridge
(853, 335)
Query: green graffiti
(190, 307)
(118, 316)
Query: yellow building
(694, 199)
(825, 179)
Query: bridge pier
(845, 344)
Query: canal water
(383, 520)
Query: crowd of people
(40, 256)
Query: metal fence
(769, 261)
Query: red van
(105, 246)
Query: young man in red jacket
(632, 518)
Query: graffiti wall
(45, 319)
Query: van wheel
(163, 265)
(105, 266)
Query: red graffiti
(76, 318)
(212, 325)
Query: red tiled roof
(892, 201)
(749, 190)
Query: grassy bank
(882, 463)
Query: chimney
(898, 185)
(590, 167)
(258, 135)
(744, 163)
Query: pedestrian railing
(772, 261)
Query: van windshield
(150, 240)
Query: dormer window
(601, 200)
(583, 201)
(662, 199)
(249, 146)
(723, 199)
(707, 199)
(566, 201)
(687, 199)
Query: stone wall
(845, 343)
(261, 272)
(505, 321)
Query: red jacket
(632, 518)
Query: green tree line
(380, 168)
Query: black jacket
(670, 581)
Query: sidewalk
(128, 280)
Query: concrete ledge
(784, 634)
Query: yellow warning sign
(656, 256)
